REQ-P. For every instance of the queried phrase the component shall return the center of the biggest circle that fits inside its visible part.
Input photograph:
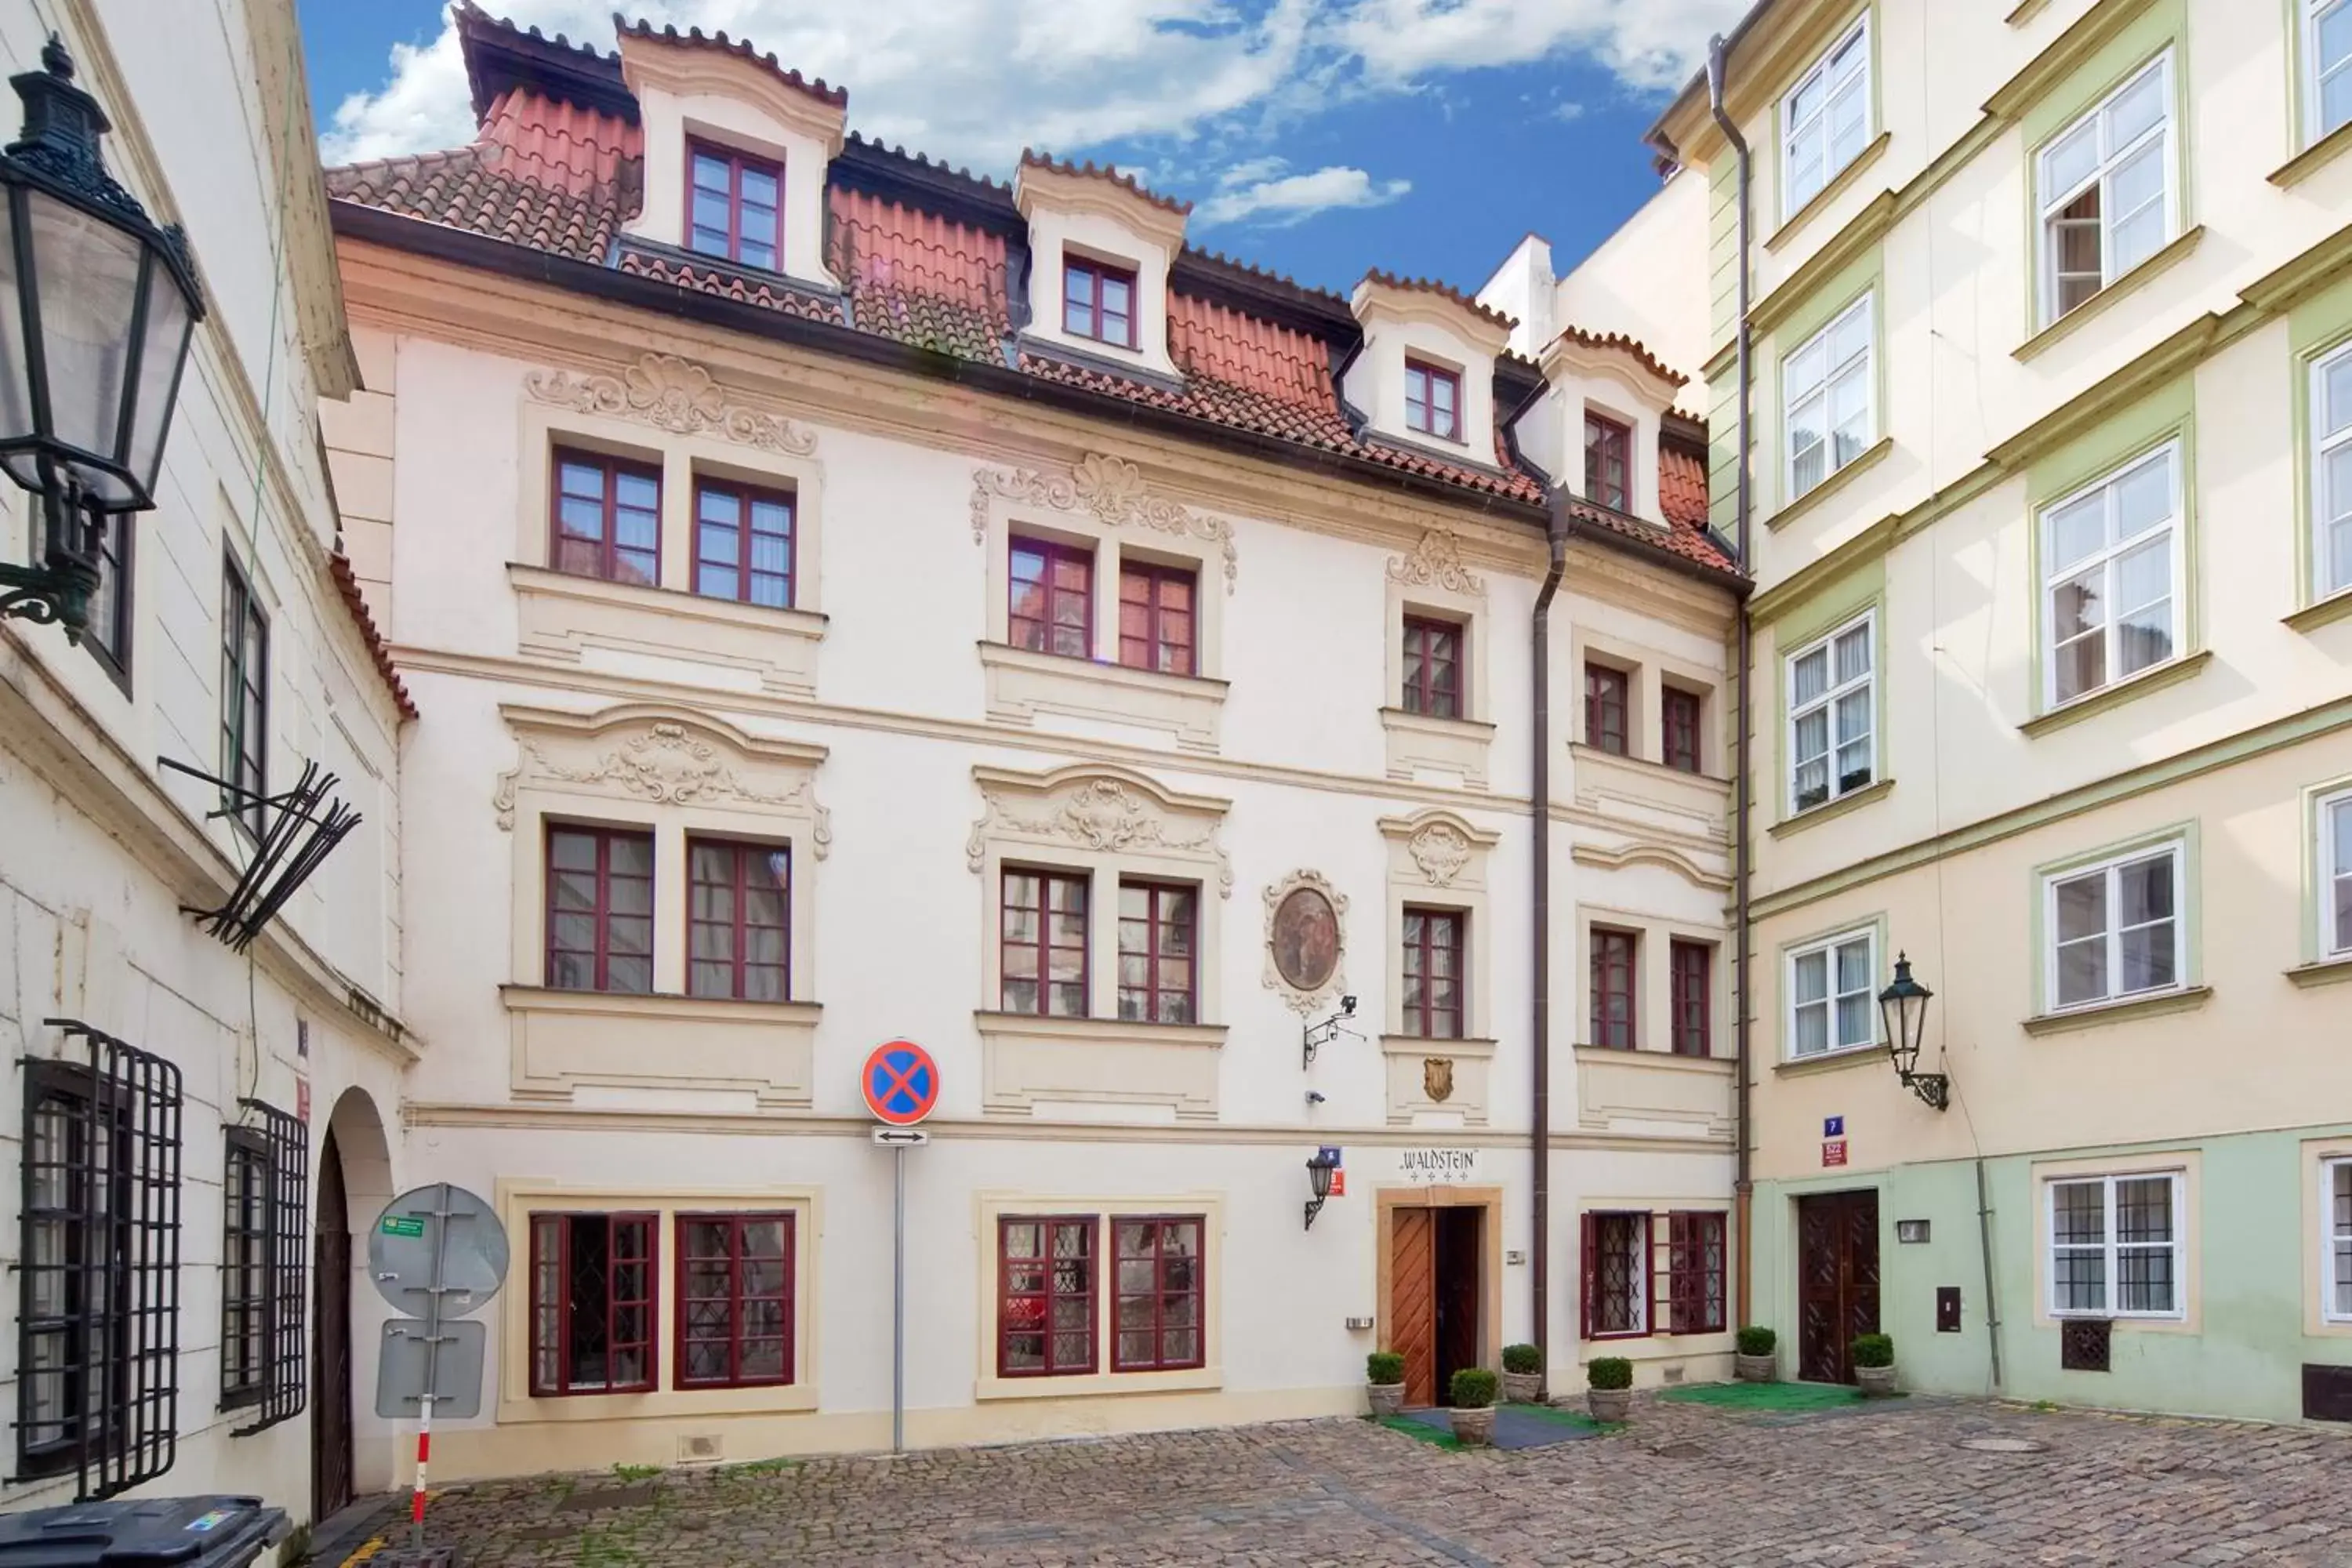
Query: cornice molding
(2071, 49)
(1864, 229)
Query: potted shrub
(1755, 1361)
(1522, 1373)
(1873, 1364)
(1610, 1395)
(1474, 1406)
(1384, 1380)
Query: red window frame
(1434, 940)
(1143, 943)
(1433, 667)
(1085, 312)
(602, 911)
(1043, 626)
(1156, 606)
(726, 1310)
(1041, 947)
(1678, 728)
(736, 162)
(1690, 970)
(1607, 461)
(1151, 1264)
(558, 1313)
(1697, 1270)
(730, 932)
(1423, 410)
(1613, 988)
(1589, 1266)
(1028, 1311)
(602, 554)
(1607, 698)
(745, 509)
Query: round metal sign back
(901, 1083)
(405, 1237)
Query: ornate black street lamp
(1902, 1006)
(97, 304)
(1319, 1166)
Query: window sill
(2335, 607)
(2025, 12)
(2155, 677)
(1657, 1060)
(1844, 180)
(1871, 456)
(1094, 1386)
(1022, 683)
(657, 1404)
(1392, 1045)
(2333, 971)
(563, 1039)
(2312, 159)
(569, 619)
(2099, 304)
(1853, 800)
(1418, 743)
(2127, 1010)
(1169, 1070)
(1830, 1061)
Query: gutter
(1718, 49)
(1743, 1125)
(1556, 533)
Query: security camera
(1348, 1007)
(1314, 1096)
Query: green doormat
(1765, 1396)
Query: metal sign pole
(432, 1362)
(899, 1300)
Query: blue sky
(1315, 137)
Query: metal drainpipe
(1718, 66)
(1556, 533)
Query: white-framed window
(2336, 875)
(1825, 119)
(1833, 995)
(2115, 929)
(2106, 190)
(2115, 1246)
(2111, 574)
(1828, 389)
(2331, 440)
(1833, 715)
(2327, 59)
(2335, 1240)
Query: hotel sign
(1438, 1165)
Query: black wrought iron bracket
(300, 828)
(1314, 1208)
(1315, 1036)
(59, 592)
(1934, 1088)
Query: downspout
(1742, 1190)
(1540, 644)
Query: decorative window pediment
(1092, 809)
(656, 756)
(1109, 489)
(673, 394)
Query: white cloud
(1256, 190)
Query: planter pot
(1520, 1387)
(1757, 1368)
(1473, 1428)
(1609, 1404)
(1877, 1382)
(1387, 1398)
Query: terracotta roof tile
(1682, 487)
(347, 587)
(1031, 159)
(457, 190)
(919, 277)
(715, 277)
(558, 145)
(694, 38)
(1442, 291)
(1631, 345)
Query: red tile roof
(1682, 486)
(558, 145)
(694, 38)
(1631, 345)
(347, 587)
(1032, 159)
(458, 190)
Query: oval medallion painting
(1306, 940)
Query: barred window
(1695, 1272)
(2115, 1246)
(265, 1246)
(1616, 1275)
(734, 1300)
(1045, 1296)
(592, 1303)
(1158, 1326)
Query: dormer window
(1098, 301)
(1607, 461)
(735, 209)
(1433, 400)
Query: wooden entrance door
(1412, 1300)
(1837, 1281)
(330, 1341)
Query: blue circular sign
(901, 1083)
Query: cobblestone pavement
(1683, 1485)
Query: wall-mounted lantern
(1903, 1008)
(97, 304)
(1319, 1166)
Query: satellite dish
(407, 1241)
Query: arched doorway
(330, 1340)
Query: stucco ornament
(1437, 1078)
(1436, 561)
(1305, 941)
(666, 765)
(1441, 850)
(674, 394)
(1109, 489)
(1103, 813)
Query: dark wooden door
(330, 1341)
(1412, 1300)
(1457, 1295)
(1837, 1281)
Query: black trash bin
(185, 1531)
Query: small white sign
(1438, 1165)
(901, 1137)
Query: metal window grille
(1617, 1274)
(1695, 1272)
(265, 1283)
(2083, 1343)
(98, 1325)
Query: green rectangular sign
(402, 1224)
